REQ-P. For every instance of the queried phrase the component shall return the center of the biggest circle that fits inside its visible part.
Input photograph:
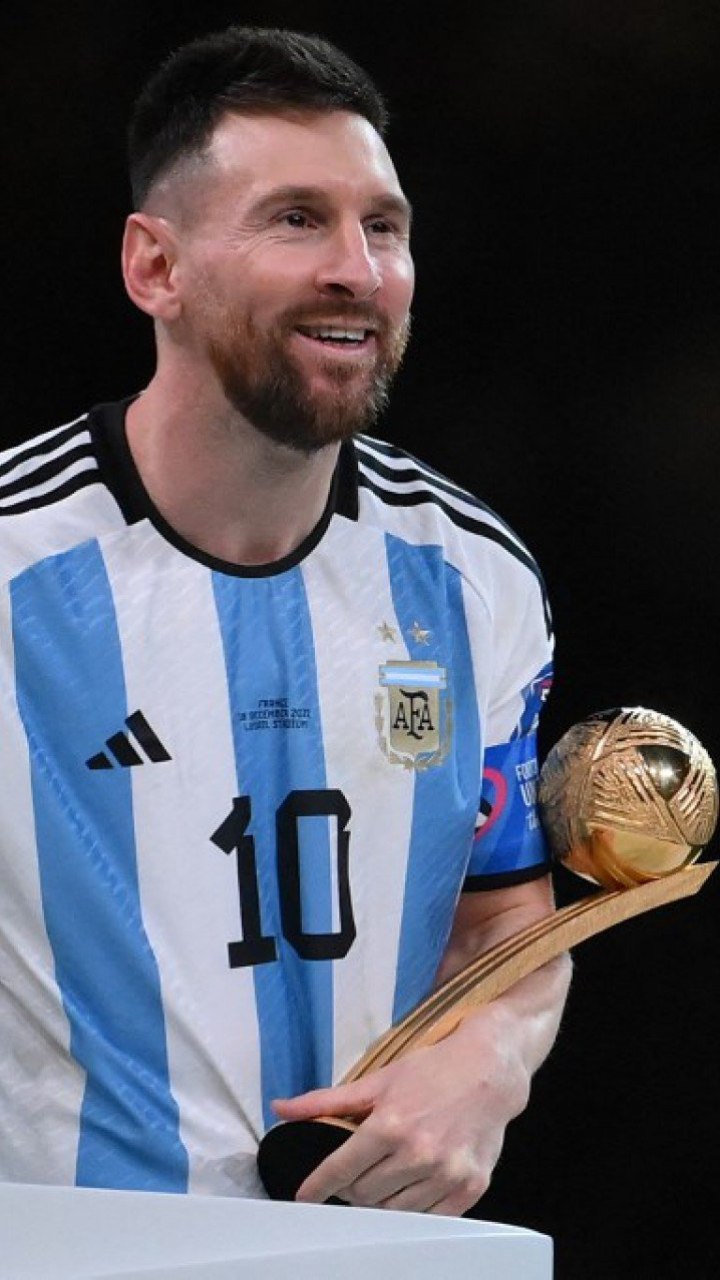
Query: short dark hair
(243, 70)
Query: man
(260, 672)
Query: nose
(349, 268)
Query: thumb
(356, 1099)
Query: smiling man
(270, 691)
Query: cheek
(274, 270)
(264, 296)
(399, 286)
(205, 296)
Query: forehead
(337, 151)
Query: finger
(456, 1203)
(343, 1100)
(385, 1179)
(356, 1156)
(417, 1198)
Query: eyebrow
(386, 202)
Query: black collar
(106, 423)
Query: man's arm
(434, 1121)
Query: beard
(272, 391)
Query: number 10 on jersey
(232, 836)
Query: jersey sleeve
(509, 845)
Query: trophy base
(289, 1152)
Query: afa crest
(413, 714)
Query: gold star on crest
(387, 633)
(419, 634)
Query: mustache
(350, 316)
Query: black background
(563, 161)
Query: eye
(394, 230)
(381, 226)
(296, 219)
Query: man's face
(295, 273)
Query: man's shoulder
(52, 495)
(39, 471)
(422, 502)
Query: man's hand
(432, 1123)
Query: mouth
(347, 340)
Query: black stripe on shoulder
(417, 471)
(419, 497)
(36, 449)
(47, 471)
(504, 879)
(80, 481)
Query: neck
(223, 486)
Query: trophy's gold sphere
(627, 796)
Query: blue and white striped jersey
(239, 804)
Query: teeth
(339, 335)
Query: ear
(149, 255)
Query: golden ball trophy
(628, 800)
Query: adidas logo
(120, 746)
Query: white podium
(64, 1233)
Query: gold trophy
(628, 799)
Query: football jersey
(239, 803)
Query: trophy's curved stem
(505, 964)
